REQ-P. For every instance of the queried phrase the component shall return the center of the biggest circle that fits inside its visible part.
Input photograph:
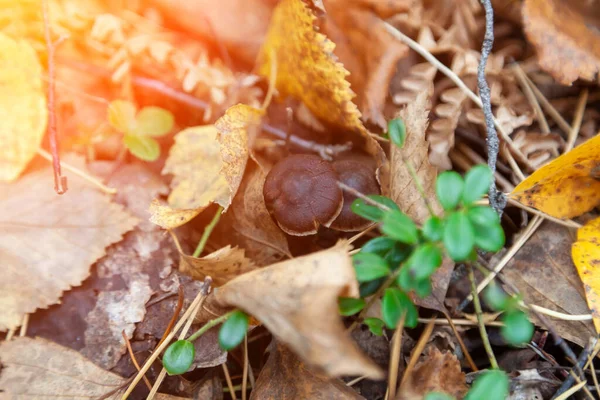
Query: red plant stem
(60, 182)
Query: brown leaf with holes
(49, 242)
(567, 47)
(222, 265)
(296, 300)
(545, 275)
(285, 377)
(435, 372)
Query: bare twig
(497, 198)
(478, 311)
(228, 380)
(395, 359)
(581, 361)
(326, 151)
(362, 196)
(180, 298)
(245, 368)
(418, 350)
(133, 360)
(60, 181)
(460, 342)
(569, 223)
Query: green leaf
(369, 266)
(491, 385)
(517, 329)
(380, 245)
(396, 304)
(233, 330)
(491, 238)
(495, 297)
(449, 188)
(368, 288)
(424, 261)
(371, 212)
(153, 121)
(143, 147)
(398, 254)
(350, 306)
(375, 325)
(477, 183)
(397, 132)
(407, 281)
(400, 227)
(438, 396)
(423, 288)
(179, 357)
(121, 116)
(433, 229)
(483, 216)
(459, 237)
(386, 201)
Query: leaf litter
(336, 76)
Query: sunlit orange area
(299, 199)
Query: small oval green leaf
(400, 227)
(396, 304)
(459, 237)
(477, 183)
(483, 216)
(121, 116)
(153, 121)
(375, 325)
(449, 188)
(369, 266)
(368, 288)
(397, 132)
(380, 245)
(424, 261)
(495, 297)
(438, 396)
(178, 357)
(233, 330)
(143, 147)
(517, 329)
(491, 385)
(350, 306)
(433, 229)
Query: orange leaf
(568, 186)
(586, 256)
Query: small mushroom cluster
(302, 192)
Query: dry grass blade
(535, 104)
(395, 359)
(420, 346)
(579, 110)
(134, 360)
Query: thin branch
(60, 181)
(460, 342)
(245, 368)
(480, 323)
(180, 298)
(228, 380)
(133, 360)
(418, 350)
(395, 358)
(497, 199)
(581, 361)
(362, 196)
(326, 151)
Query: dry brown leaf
(222, 265)
(435, 372)
(169, 218)
(545, 275)
(236, 130)
(418, 79)
(23, 109)
(568, 48)
(48, 242)
(285, 377)
(297, 301)
(250, 225)
(195, 162)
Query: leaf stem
(480, 322)
(207, 231)
(210, 324)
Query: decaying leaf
(236, 130)
(23, 109)
(169, 218)
(222, 265)
(586, 256)
(49, 242)
(568, 186)
(544, 274)
(435, 372)
(285, 377)
(195, 162)
(568, 48)
(297, 301)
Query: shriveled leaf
(23, 109)
(195, 162)
(51, 241)
(568, 186)
(170, 218)
(222, 265)
(143, 147)
(567, 47)
(37, 368)
(297, 301)
(235, 133)
(285, 376)
(153, 121)
(544, 274)
(121, 116)
(403, 188)
(586, 256)
(435, 372)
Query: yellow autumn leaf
(169, 218)
(568, 186)
(586, 257)
(236, 131)
(23, 109)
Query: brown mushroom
(301, 193)
(358, 172)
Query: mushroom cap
(301, 193)
(358, 173)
